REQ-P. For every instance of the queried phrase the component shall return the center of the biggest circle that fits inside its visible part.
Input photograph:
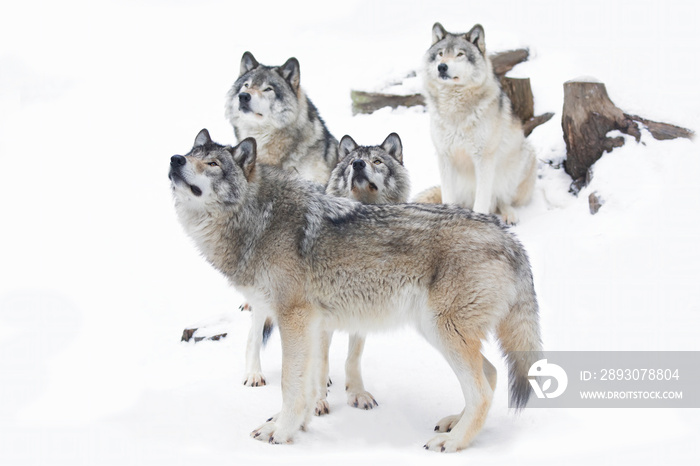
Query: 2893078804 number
(639, 374)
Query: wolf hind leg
(447, 423)
(462, 350)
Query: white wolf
(484, 160)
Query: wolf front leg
(323, 380)
(485, 176)
(300, 334)
(358, 397)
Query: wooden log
(370, 102)
(663, 131)
(188, 334)
(534, 122)
(503, 62)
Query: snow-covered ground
(98, 280)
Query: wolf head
(457, 59)
(264, 95)
(370, 174)
(211, 175)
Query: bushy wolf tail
(519, 337)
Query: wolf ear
(392, 145)
(244, 154)
(476, 37)
(346, 145)
(439, 33)
(248, 62)
(290, 72)
(202, 138)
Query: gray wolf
(371, 174)
(484, 160)
(323, 263)
(268, 104)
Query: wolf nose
(358, 165)
(177, 161)
(442, 68)
(244, 97)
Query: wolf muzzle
(176, 163)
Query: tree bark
(520, 93)
(587, 117)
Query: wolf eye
(377, 161)
(268, 89)
(460, 54)
(213, 164)
(440, 53)
(245, 85)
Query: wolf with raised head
(267, 103)
(485, 163)
(323, 263)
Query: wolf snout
(244, 97)
(358, 165)
(442, 68)
(177, 161)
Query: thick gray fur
(323, 263)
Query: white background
(98, 280)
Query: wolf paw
(508, 215)
(254, 379)
(269, 433)
(322, 407)
(245, 307)
(444, 443)
(447, 423)
(362, 400)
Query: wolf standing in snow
(267, 103)
(484, 160)
(323, 263)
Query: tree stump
(587, 118)
(522, 103)
(520, 93)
